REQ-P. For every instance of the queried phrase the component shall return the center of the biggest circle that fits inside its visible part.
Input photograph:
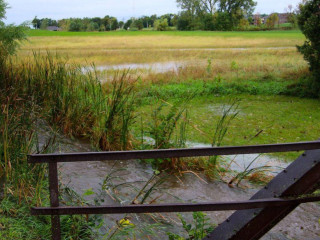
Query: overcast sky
(23, 10)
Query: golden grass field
(255, 54)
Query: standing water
(189, 188)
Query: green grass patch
(295, 34)
(274, 119)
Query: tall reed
(46, 87)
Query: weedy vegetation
(140, 109)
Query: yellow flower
(125, 222)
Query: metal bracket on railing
(299, 178)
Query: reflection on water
(244, 162)
(160, 67)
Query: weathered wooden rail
(254, 217)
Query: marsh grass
(119, 115)
(46, 88)
(175, 39)
(167, 128)
(75, 101)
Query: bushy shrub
(309, 23)
(161, 24)
(272, 20)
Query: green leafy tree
(127, 24)
(92, 26)
(184, 22)
(161, 24)
(10, 35)
(191, 6)
(237, 9)
(137, 24)
(44, 24)
(198, 10)
(223, 21)
(76, 25)
(292, 16)
(36, 23)
(114, 24)
(209, 6)
(309, 23)
(107, 22)
(243, 24)
(272, 20)
(209, 22)
(121, 24)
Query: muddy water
(158, 67)
(242, 162)
(300, 224)
(204, 49)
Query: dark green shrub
(309, 23)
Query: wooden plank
(222, 206)
(54, 200)
(169, 153)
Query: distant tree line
(209, 15)
(108, 23)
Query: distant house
(283, 17)
(260, 19)
(53, 28)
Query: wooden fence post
(54, 199)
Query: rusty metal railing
(280, 195)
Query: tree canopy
(10, 35)
(214, 14)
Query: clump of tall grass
(17, 139)
(48, 88)
(74, 99)
(115, 126)
(29, 91)
(167, 129)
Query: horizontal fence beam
(223, 206)
(170, 153)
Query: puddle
(219, 109)
(244, 162)
(158, 67)
(229, 49)
(202, 49)
(301, 224)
